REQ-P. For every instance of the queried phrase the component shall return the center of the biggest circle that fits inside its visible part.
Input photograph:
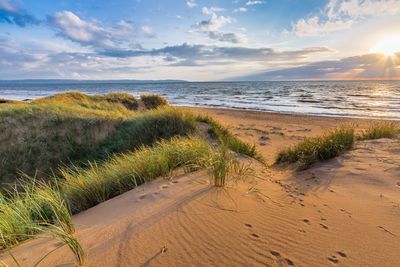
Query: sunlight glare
(388, 46)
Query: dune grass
(121, 151)
(152, 101)
(47, 206)
(226, 138)
(37, 209)
(380, 130)
(84, 188)
(219, 165)
(72, 128)
(22, 211)
(321, 148)
(146, 128)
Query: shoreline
(293, 114)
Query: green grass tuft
(84, 188)
(380, 130)
(320, 148)
(152, 101)
(226, 138)
(24, 210)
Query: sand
(342, 212)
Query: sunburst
(388, 46)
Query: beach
(343, 211)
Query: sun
(388, 46)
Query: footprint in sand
(333, 259)
(289, 262)
(255, 235)
(342, 254)
(324, 226)
(275, 253)
(345, 211)
(142, 197)
(174, 181)
(164, 186)
(279, 258)
(307, 221)
(248, 225)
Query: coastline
(284, 113)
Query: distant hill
(70, 81)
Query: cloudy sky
(200, 40)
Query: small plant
(320, 148)
(226, 138)
(222, 164)
(152, 101)
(36, 208)
(380, 130)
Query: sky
(200, 40)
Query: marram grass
(227, 139)
(65, 129)
(380, 130)
(43, 207)
(84, 188)
(152, 101)
(320, 148)
(123, 149)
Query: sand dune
(343, 212)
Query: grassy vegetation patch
(380, 130)
(122, 149)
(37, 209)
(152, 101)
(72, 128)
(84, 188)
(146, 128)
(321, 148)
(47, 204)
(226, 138)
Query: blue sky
(200, 40)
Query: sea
(365, 99)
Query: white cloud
(88, 33)
(342, 14)
(361, 8)
(313, 26)
(229, 37)
(71, 26)
(211, 10)
(255, 2)
(191, 3)
(211, 27)
(148, 31)
(240, 9)
(124, 28)
(214, 23)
